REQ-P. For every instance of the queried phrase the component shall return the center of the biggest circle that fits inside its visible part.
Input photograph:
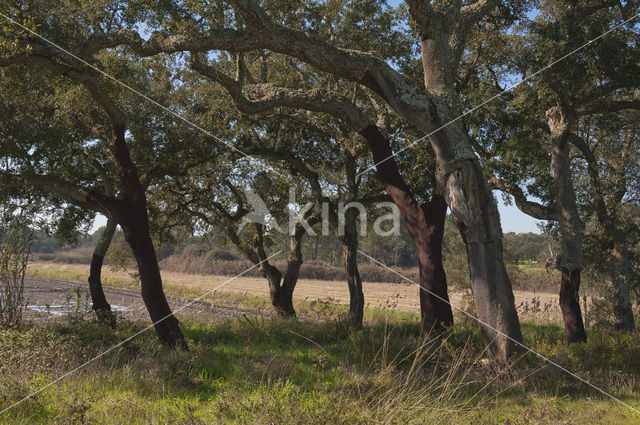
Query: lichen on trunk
(99, 302)
(350, 256)
(475, 213)
(570, 261)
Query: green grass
(536, 270)
(274, 371)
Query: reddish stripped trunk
(132, 216)
(138, 237)
(425, 224)
(431, 267)
(560, 124)
(570, 306)
(281, 293)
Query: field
(536, 306)
(260, 369)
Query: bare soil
(401, 297)
(52, 297)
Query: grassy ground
(273, 371)
(316, 371)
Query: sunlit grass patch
(268, 370)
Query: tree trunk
(421, 223)
(570, 306)
(476, 215)
(431, 267)
(350, 255)
(136, 231)
(281, 295)
(619, 272)
(570, 261)
(133, 219)
(98, 299)
(474, 209)
(289, 282)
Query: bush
(14, 255)
(80, 255)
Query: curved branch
(262, 33)
(477, 10)
(214, 39)
(531, 208)
(68, 191)
(609, 106)
(264, 97)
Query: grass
(318, 370)
(273, 371)
(525, 268)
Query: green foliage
(526, 246)
(454, 256)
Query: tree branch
(421, 14)
(68, 191)
(609, 106)
(594, 176)
(531, 208)
(265, 97)
(477, 10)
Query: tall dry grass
(213, 263)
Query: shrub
(14, 255)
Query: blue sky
(514, 220)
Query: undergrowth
(273, 371)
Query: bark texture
(570, 262)
(425, 224)
(131, 214)
(570, 306)
(476, 215)
(619, 272)
(350, 254)
(99, 302)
